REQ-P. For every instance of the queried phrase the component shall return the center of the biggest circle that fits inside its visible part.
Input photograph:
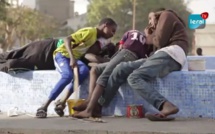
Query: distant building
(61, 10)
(13, 3)
(78, 21)
(29, 3)
(205, 39)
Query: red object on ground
(135, 111)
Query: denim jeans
(138, 74)
(158, 65)
(120, 56)
(63, 66)
(117, 78)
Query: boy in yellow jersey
(100, 52)
(67, 55)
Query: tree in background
(121, 12)
(3, 10)
(24, 24)
(35, 25)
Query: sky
(197, 7)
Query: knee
(95, 71)
(133, 79)
(121, 70)
(120, 67)
(67, 76)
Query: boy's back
(135, 41)
(83, 40)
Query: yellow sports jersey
(84, 38)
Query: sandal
(59, 108)
(41, 113)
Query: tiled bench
(193, 92)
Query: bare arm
(94, 58)
(77, 39)
(120, 47)
(68, 45)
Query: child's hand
(150, 33)
(73, 63)
(149, 30)
(106, 58)
(152, 20)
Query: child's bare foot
(83, 114)
(169, 109)
(97, 111)
(81, 107)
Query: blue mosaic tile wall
(193, 92)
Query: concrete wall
(77, 22)
(205, 38)
(59, 9)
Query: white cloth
(176, 52)
(103, 42)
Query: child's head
(199, 51)
(149, 35)
(152, 17)
(107, 27)
(109, 50)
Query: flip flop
(59, 111)
(41, 113)
(59, 108)
(158, 117)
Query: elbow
(88, 57)
(68, 39)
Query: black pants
(37, 54)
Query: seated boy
(133, 45)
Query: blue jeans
(138, 74)
(121, 56)
(63, 66)
(117, 78)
